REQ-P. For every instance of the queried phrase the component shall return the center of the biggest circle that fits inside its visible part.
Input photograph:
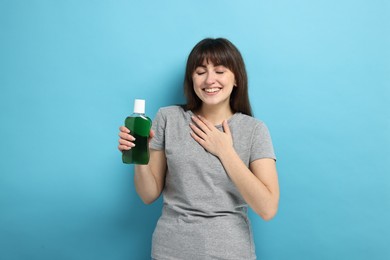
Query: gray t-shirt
(204, 216)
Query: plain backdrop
(319, 75)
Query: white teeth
(211, 90)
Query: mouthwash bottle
(139, 125)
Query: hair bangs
(215, 53)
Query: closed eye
(220, 69)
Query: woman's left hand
(209, 137)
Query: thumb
(151, 134)
(226, 128)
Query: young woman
(210, 159)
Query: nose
(210, 79)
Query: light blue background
(319, 74)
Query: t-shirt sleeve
(261, 143)
(158, 126)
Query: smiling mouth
(211, 90)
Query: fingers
(197, 138)
(226, 127)
(125, 145)
(122, 147)
(151, 134)
(203, 123)
(198, 132)
(124, 129)
(125, 139)
(126, 136)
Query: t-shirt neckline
(219, 125)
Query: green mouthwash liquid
(139, 126)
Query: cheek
(196, 83)
(233, 80)
(195, 86)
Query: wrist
(227, 153)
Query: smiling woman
(210, 159)
(222, 54)
(213, 85)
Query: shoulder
(246, 121)
(172, 114)
(170, 111)
(249, 126)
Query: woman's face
(213, 84)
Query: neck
(215, 114)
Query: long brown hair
(219, 51)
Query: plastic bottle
(139, 125)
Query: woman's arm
(258, 184)
(148, 179)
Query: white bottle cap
(139, 106)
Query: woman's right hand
(126, 140)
